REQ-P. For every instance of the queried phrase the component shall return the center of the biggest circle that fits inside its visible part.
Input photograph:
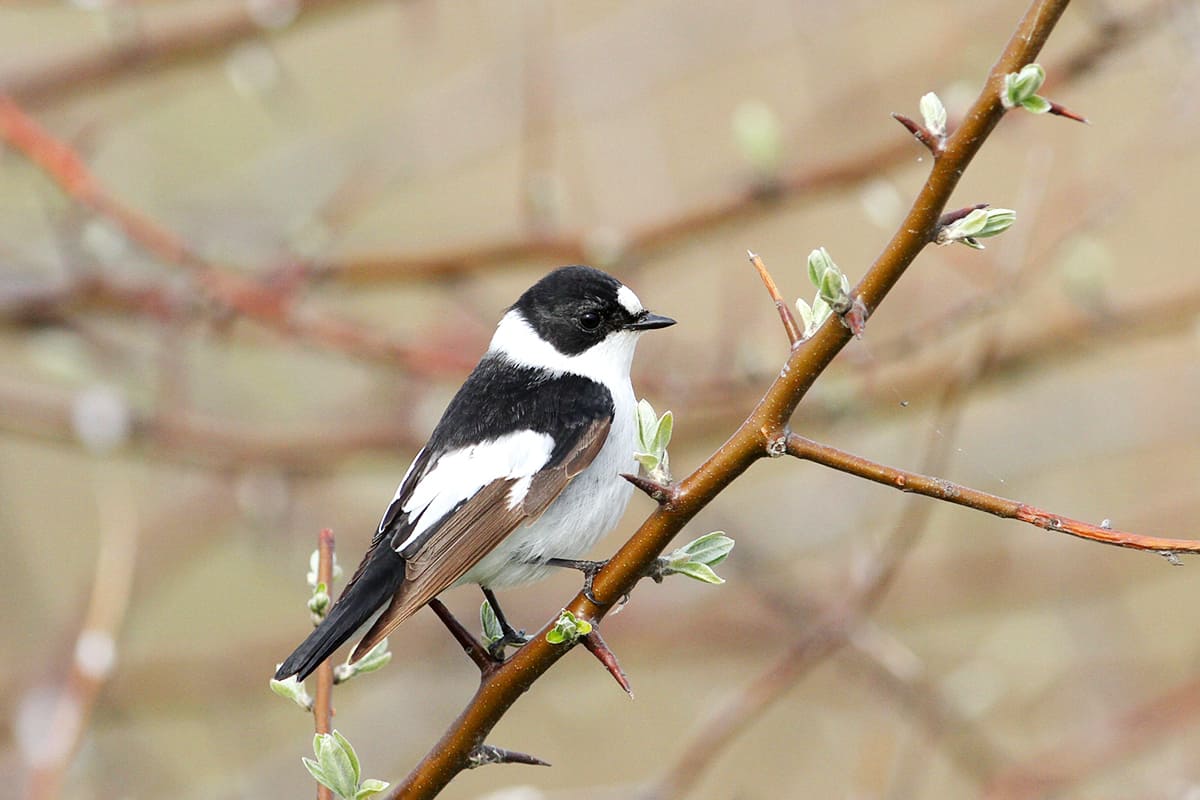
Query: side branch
(958, 494)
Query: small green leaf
(648, 461)
(701, 572)
(934, 114)
(647, 424)
(315, 770)
(370, 788)
(336, 764)
(711, 548)
(806, 317)
(662, 436)
(352, 756)
(293, 690)
(568, 628)
(492, 632)
(1036, 104)
(819, 262)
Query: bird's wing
(448, 518)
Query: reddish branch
(790, 327)
(763, 432)
(958, 494)
(323, 703)
(271, 304)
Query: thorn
(490, 754)
(921, 133)
(596, 645)
(663, 495)
(1059, 110)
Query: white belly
(588, 508)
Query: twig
(958, 494)
(498, 691)
(94, 653)
(323, 704)
(921, 133)
(470, 645)
(790, 327)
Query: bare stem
(958, 494)
(323, 703)
(790, 327)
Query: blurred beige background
(406, 168)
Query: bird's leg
(511, 636)
(588, 568)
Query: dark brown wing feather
(473, 530)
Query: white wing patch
(459, 474)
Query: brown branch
(184, 41)
(763, 430)
(794, 334)
(470, 645)
(958, 494)
(270, 304)
(596, 645)
(803, 183)
(323, 705)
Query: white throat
(607, 362)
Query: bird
(521, 475)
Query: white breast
(590, 506)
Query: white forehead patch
(629, 300)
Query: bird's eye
(589, 320)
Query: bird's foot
(511, 638)
(589, 570)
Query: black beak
(648, 322)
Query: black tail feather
(372, 586)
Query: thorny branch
(762, 432)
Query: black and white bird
(521, 474)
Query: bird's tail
(372, 586)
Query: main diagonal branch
(763, 432)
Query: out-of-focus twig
(95, 651)
(185, 40)
(272, 304)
